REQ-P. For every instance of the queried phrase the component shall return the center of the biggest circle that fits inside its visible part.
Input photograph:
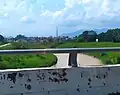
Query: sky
(41, 17)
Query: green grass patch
(105, 57)
(88, 45)
(27, 61)
(108, 58)
(37, 45)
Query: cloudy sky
(40, 17)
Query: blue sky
(40, 17)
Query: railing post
(72, 59)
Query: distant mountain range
(73, 34)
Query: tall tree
(89, 36)
(1, 38)
(20, 37)
(101, 36)
(112, 35)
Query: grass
(105, 57)
(22, 45)
(108, 58)
(88, 45)
(27, 61)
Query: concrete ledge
(61, 81)
(51, 68)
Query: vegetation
(88, 44)
(23, 45)
(18, 37)
(27, 61)
(111, 38)
(87, 36)
(112, 35)
(1, 38)
(87, 39)
(106, 57)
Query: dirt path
(86, 60)
(83, 60)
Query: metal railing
(60, 50)
(72, 52)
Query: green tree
(101, 36)
(18, 37)
(112, 35)
(87, 36)
(1, 38)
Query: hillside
(73, 34)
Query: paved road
(83, 60)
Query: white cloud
(84, 1)
(57, 14)
(3, 15)
(27, 19)
(86, 14)
(92, 12)
(46, 13)
(73, 13)
(69, 3)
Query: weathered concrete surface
(62, 61)
(86, 60)
(64, 81)
(82, 60)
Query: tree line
(112, 35)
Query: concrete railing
(101, 80)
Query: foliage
(111, 35)
(101, 37)
(22, 45)
(88, 44)
(27, 61)
(109, 58)
(85, 40)
(1, 38)
(87, 36)
(106, 57)
(19, 37)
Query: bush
(103, 54)
(107, 62)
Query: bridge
(70, 80)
